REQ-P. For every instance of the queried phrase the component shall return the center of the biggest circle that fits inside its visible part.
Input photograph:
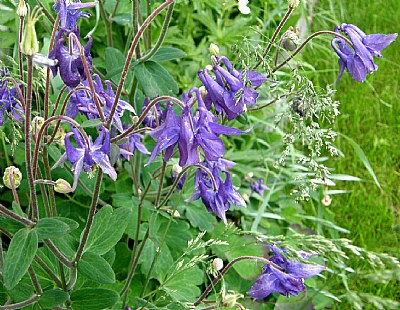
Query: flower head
(258, 187)
(70, 10)
(9, 101)
(288, 280)
(359, 60)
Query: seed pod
(16, 177)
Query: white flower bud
(176, 168)
(243, 8)
(16, 174)
(209, 67)
(62, 186)
(213, 49)
(326, 201)
(36, 124)
(293, 3)
(203, 91)
(250, 175)
(218, 263)
(22, 9)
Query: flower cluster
(359, 60)
(287, 280)
(9, 100)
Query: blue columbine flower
(88, 157)
(155, 116)
(70, 64)
(134, 143)
(287, 281)
(70, 10)
(258, 187)
(9, 100)
(231, 90)
(360, 60)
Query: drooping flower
(232, 90)
(70, 64)
(155, 116)
(132, 145)
(258, 187)
(288, 280)
(87, 157)
(70, 10)
(359, 60)
(9, 101)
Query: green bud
(62, 187)
(22, 9)
(213, 49)
(16, 174)
(30, 44)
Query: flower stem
(22, 304)
(227, 267)
(315, 34)
(27, 129)
(107, 23)
(58, 254)
(49, 271)
(35, 281)
(16, 217)
(21, 64)
(275, 34)
(129, 57)
(14, 189)
(160, 185)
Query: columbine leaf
(50, 228)
(96, 268)
(93, 299)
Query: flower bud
(229, 300)
(203, 91)
(290, 39)
(30, 44)
(16, 175)
(176, 169)
(135, 119)
(293, 3)
(22, 9)
(213, 49)
(326, 201)
(36, 124)
(218, 263)
(177, 214)
(209, 67)
(62, 187)
(249, 175)
(243, 8)
(60, 137)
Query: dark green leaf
(164, 260)
(49, 228)
(19, 256)
(9, 224)
(96, 268)
(199, 217)
(93, 299)
(53, 298)
(71, 223)
(91, 123)
(108, 228)
(115, 62)
(183, 285)
(155, 80)
(168, 53)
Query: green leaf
(9, 224)
(96, 268)
(53, 298)
(115, 61)
(199, 217)
(91, 123)
(155, 80)
(108, 228)
(164, 260)
(363, 158)
(93, 299)
(71, 223)
(183, 285)
(168, 53)
(49, 228)
(19, 256)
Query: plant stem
(44, 195)
(160, 185)
(275, 34)
(129, 57)
(107, 23)
(92, 211)
(21, 64)
(22, 304)
(48, 270)
(27, 129)
(14, 189)
(35, 281)
(16, 217)
(162, 35)
(148, 11)
(315, 34)
(135, 24)
(134, 177)
(47, 171)
(48, 15)
(227, 267)
(58, 254)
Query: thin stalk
(275, 34)
(145, 112)
(48, 270)
(162, 35)
(92, 211)
(73, 275)
(148, 11)
(132, 92)
(47, 13)
(35, 281)
(14, 189)
(63, 280)
(18, 89)
(22, 304)
(135, 182)
(21, 63)
(107, 23)
(114, 10)
(57, 253)
(135, 25)
(160, 185)
(27, 129)
(129, 57)
(44, 195)
(47, 171)
(315, 34)
(227, 267)
(1, 253)
(16, 217)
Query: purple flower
(87, 157)
(359, 61)
(217, 200)
(258, 187)
(182, 180)
(70, 64)
(232, 90)
(9, 100)
(70, 10)
(134, 143)
(154, 116)
(287, 281)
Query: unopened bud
(135, 119)
(203, 91)
(209, 67)
(60, 137)
(30, 44)
(290, 39)
(326, 201)
(229, 300)
(62, 187)
(176, 214)
(250, 175)
(246, 197)
(16, 177)
(213, 49)
(176, 169)
(293, 3)
(218, 263)
(22, 9)
(36, 124)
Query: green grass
(370, 115)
